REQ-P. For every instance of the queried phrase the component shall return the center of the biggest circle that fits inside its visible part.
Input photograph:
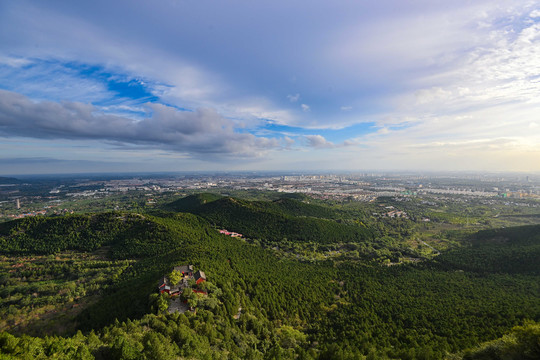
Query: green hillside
(283, 206)
(191, 203)
(283, 219)
(127, 235)
(511, 250)
(265, 307)
(523, 342)
(292, 207)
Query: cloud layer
(202, 132)
(392, 84)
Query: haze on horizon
(269, 85)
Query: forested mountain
(283, 219)
(127, 235)
(267, 307)
(282, 206)
(510, 251)
(192, 202)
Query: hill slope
(270, 307)
(523, 342)
(191, 203)
(127, 235)
(513, 250)
(283, 219)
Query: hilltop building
(186, 270)
(187, 273)
(199, 277)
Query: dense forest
(264, 306)
(283, 219)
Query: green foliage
(162, 302)
(294, 196)
(293, 207)
(175, 277)
(264, 306)
(42, 235)
(39, 294)
(128, 235)
(126, 348)
(522, 343)
(280, 219)
(192, 202)
(511, 250)
(289, 337)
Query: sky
(236, 85)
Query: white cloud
(484, 104)
(177, 79)
(496, 138)
(254, 110)
(318, 141)
(535, 13)
(383, 131)
(425, 96)
(447, 76)
(14, 61)
(434, 37)
(293, 98)
(288, 141)
(202, 133)
(51, 80)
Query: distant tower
(18, 203)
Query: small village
(181, 278)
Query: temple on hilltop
(184, 269)
(199, 277)
(187, 273)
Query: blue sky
(269, 85)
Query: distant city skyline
(138, 86)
